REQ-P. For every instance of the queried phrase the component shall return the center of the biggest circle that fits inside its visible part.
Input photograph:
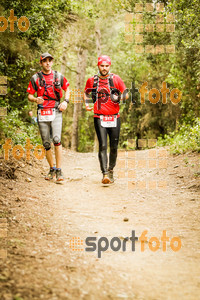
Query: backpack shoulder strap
(56, 84)
(39, 74)
(41, 79)
(33, 81)
(95, 88)
(96, 81)
(58, 78)
(111, 81)
(55, 77)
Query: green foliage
(86, 133)
(20, 51)
(12, 126)
(186, 139)
(64, 26)
(19, 59)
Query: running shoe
(106, 179)
(111, 177)
(59, 176)
(51, 174)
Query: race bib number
(108, 121)
(46, 115)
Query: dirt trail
(43, 218)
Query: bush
(186, 139)
(13, 127)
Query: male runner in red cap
(106, 89)
(48, 85)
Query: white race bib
(46, 115)
(108, 121)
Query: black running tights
(113, 134)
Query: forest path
(43, 218)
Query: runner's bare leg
(58, 154)
(49, 157)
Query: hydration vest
(111, 86)
(57, 84)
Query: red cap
(104, 58)
(45, 55)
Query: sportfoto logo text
(23, 23)
(116, 244)
(154, 95)
(18, 151)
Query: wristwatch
(67, 100)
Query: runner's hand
(39, 100)
(115, 97)
(62, 106)
(88, 108)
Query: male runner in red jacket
(106, 89)
(49, 85)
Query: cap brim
(41, 58)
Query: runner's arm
(126, 95)
(86, 104)
(67, 93)
(38, 100)
(87, 94)
(63, 106)
(121, 87)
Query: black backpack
(57, 84)
(112, 88)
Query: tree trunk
(98, 41)
(81, 67)
(64, 54)
(98, 45)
